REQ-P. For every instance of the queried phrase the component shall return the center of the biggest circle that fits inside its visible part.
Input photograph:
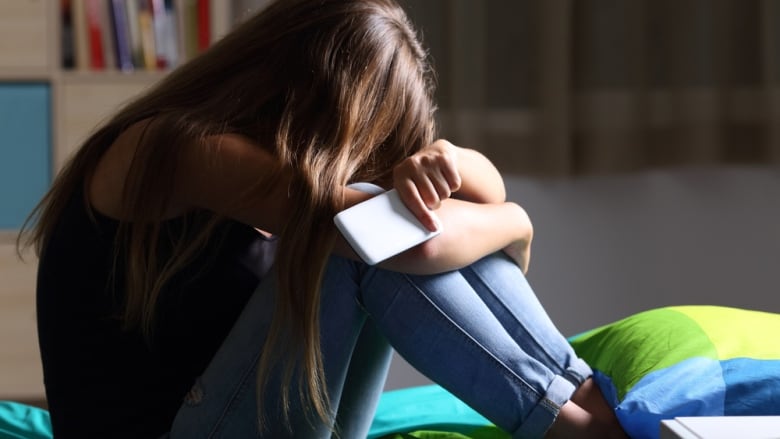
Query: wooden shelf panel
(109, 77)
(24, 74)
(24, 34)
(18, 331)
(82, 104)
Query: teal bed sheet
(20, 421)
(429, 412)
(424, 412)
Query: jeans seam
(480, 348)
(562, 369)
(235, 394)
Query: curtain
(566, 87)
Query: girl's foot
(575, 422)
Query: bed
(664, 363)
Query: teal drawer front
(25, 150)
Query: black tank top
(103, 381)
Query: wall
(607, 247)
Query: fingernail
(436, 224)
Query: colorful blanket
(686, 361)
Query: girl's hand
(426, 178)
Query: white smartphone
(381, 227)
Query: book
(122, 43)
(158, 24)
(107, 34)
(134, 34)
(204, 25)
(187, 27)
(67, 44)
(146, 27)
(171, 37)
(81, 49)
(136, 47)
(97, 59)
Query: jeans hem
(544, 413)
(578, 371)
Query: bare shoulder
(234, 176)
(108, 180)
(228, 174)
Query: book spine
(122, 35)
(170, 41)
(160, 30)
(81, 49)
(68, 38)
(95, 32)
(146, 26)
(108, 35)
(134, 34)
(204, 24)
(136, 47)
(186, 19)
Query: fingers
(445, 165)
(449, 168)
(427, 178)
(433, 171)
(411, 197)
(433, 188)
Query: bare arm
(233, 165)
(470, 231)
(481, 223)
(476, 222)
(480, 180)
(232, 176)
(442, 170)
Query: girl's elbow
(438, 256)
(429, 250)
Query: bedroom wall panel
(23, 34)
(21, 378)
(24, 150)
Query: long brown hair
(338, 90)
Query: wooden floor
(21, 378)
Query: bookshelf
(49, 109)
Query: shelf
(110, 77)
(24, 34)
(24, 74)
(85, 99)
(8, 237)
(22, 378)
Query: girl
(225, 176)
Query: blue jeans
(479, 332)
